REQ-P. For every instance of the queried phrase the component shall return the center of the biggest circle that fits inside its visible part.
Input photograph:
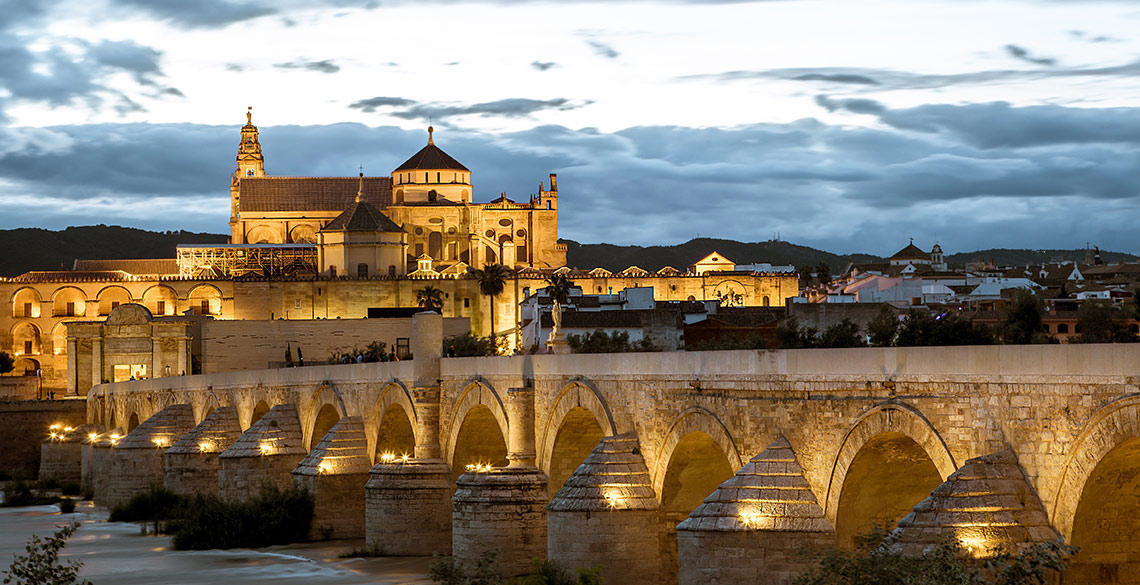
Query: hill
(1007, 257)
(651, 258)
(39, 249)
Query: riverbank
(117, 553)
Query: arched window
(391, 270)
(1062, 328)
(332, 271)
(766, 301)
(362, 270)
(433, 196)
(1046, 326)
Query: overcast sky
(843, 125)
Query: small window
(332, 271)
(362, 270)
(28, 346)
(1077, 328)
(70, 310)
(548, 205)
(391, 270)
(432, 196)
(425, 177)
(466, 303)
(766, 302)
(205, 307)
(1062, 328)
(297, 305)
(160, 306)
(403, 347)
(114, 305)
(1046, 326)
(27, 310)
(437, 178)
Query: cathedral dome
(431, 158)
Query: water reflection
(116, 553)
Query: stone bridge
(829, 441)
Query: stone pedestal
(558, 345)
(606, 515)
(751, 528)
(191, 466)
(502, 510)
(335, 472)
(137, 462)
(265, 454)
(408, 508)
(97, 466)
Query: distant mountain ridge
(39, 249)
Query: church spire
(250, 163)
(360, 188)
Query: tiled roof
(911, 252)
(431, 158)
(71, 275)
(276, 433)
(769, 493)
(160, 430)
(362, 217)
(342, 451)
(311, 193)
(613, 477)
(134, 265)
(214, 434)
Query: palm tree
(558, 287)
(491, 280)
(430, 298)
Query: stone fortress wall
(870, 431)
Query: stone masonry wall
(62, 462)
(338, 504)
(408, 508)
(24, 424)
(242, 477)
(624, 538)
(744, 557)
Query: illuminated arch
(59, 338)
(163, 293)
(1112, 425)
(63, 295)
(394, 396)
(892, 417)
(325, 402)
(26, 295)
(477, 392)
(694, 419)
(24, 331)
(206, 298)
(263, 234)
(112, 296)
(576, 394)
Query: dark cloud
(140, 61)
(837, 78)
(1022, 54)
(543, 65)
(199, 13)
(603, 49)
(371, 104)
(322, 66)
(977, 175)
(234, 67)
(891, 79)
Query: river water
(115, 553)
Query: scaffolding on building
(237, 260)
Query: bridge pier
(504, 509)
(266, 453)
(751, 528)
(61, 454)
(98, 466)
(607, 514)
(136, 465)
(191, 466)
(408, 507)
(335, 472)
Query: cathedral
(387, 226)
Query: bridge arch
(207, 406)
(394, 422)
(326, 407)
(695, 419)
(478, 413)
(881, 443)
(579, 418)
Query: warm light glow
(404, 458)
(92, 436)
(974, 543)
(56, 426)
(324, 467)
(478, 467)
(68, 429)
(387, 457)
(266, 448)
(55, 436)
(614, 498)
(205, 446)
(114, 436)
(160, 441)
(755, 519)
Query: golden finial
(430, 130)
(360, 189)
(249, 115)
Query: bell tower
(250, 163)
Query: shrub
(20, 493)
(66, 505)
(41, 566)
(275, 516)
(468, 345)
(155, 504)
(70, 489)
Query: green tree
(920, 328)
(790, 335)
(842, 334)
(430, 298)
(599, 341)
(7, 364)
(1024, 323)
(883, 328)
(492, 280)
(41, 565)
(823, 272)
(1100, 322)
(467, 345)
(558, 287)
